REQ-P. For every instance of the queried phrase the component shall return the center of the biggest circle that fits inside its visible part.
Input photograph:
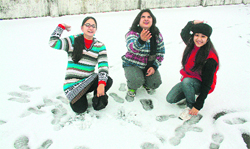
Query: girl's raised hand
(198, 21)
(145, 35)
(67, 27)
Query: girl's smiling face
(200, 39)
(89, 29)
(146, 21)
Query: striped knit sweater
(138, 54)
(78, 72)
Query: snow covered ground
(34, 112)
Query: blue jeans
(188, 88)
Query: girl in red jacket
(200, 63)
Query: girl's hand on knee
(100, 90)
(150, 71)
(193, 111)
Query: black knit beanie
(203, 28)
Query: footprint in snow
(194, 119)
(147, 104)
(148, 145)
(85, 120)
(19, 94)
(122, 87)
(161, 138)
(162, 118)
(19, 97)
(47, 102)
(117, 98)
(195, 129)
(35, 111)
(21, 142)
(181, 130)
(184, 128)
(63, 99)
(217, 139)
(81, 121)
(24, 114)
(28, 88)
(130, 117)
(121, 114)
(58, 124)
(46, 144)
(20, 100)
(81, 147)
(58, 113)
(235, 121)
(175, 141)
(57, 116)
(218, 115)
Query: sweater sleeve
(103, 68)
(134, 43)
(185, 32)
(58, 43)
(207, 80)
(160, 52)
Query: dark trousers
(81, 105)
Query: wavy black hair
(136, 27)
(79, 43)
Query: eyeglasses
(88, 25)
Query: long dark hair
(79, 43)
(135, 25)
(201, 55)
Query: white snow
(27, 62)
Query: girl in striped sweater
(84, 53)
(145, 53)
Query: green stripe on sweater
(103, 64)
(81, 67)
(66, 86)
(98, 49)
(58, 44)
